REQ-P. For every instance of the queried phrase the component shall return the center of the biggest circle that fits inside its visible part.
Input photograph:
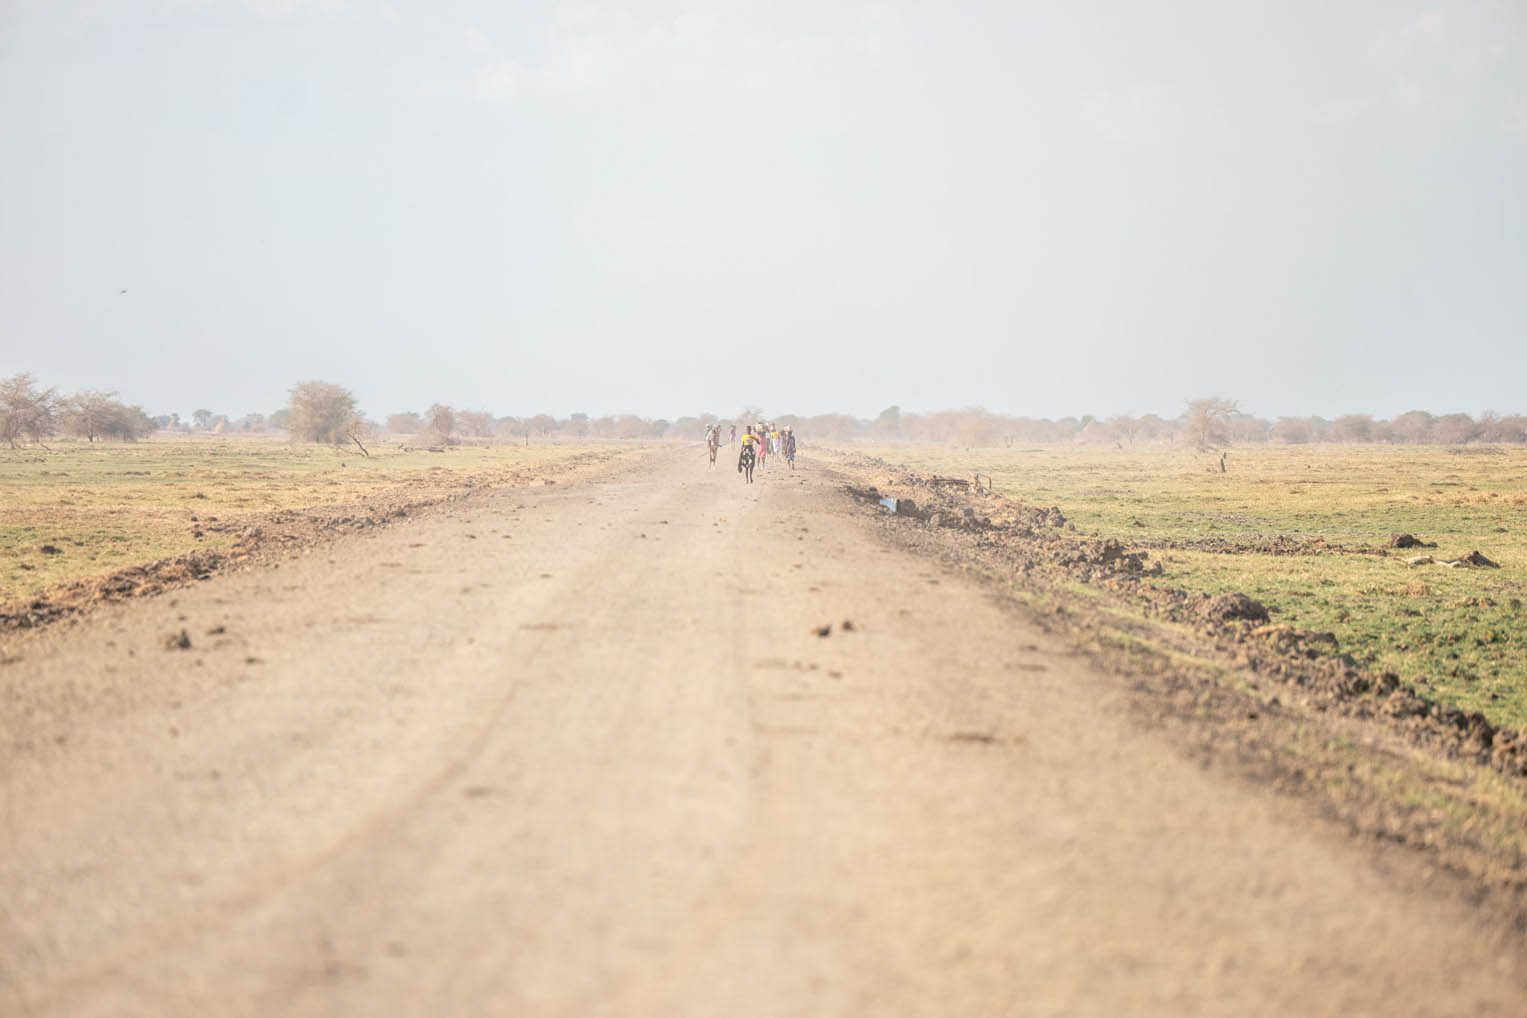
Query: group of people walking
(759, 442)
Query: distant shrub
(323, 412)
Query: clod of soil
(824, 630)
(49, 549)
(1232, 607)
(1477, 560)
(847, 626)
(1052, 517)
(178, 641)
(1409, 541)
(1288, 640)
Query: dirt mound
(1031, 544)
(1475, 560)
(965, 519)
(1300, 642)
(1091, 559)
(1232, 608)
(138, 581)
(1409, 541)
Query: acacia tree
(475, 423)
(324, 412)
(1455, 429)
(1125, 429)
(1353, 428)
(93, 415)
(1207, 424)
(439, 424)
(26, 411)
(406, 423)
(1489, 426)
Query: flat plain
(78, 510)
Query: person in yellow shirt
(749, 457)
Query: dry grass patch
(81, 510)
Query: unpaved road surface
(578, 750)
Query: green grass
(1459, 635)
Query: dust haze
(711, 507)
(661, 209)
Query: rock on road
(578, 750)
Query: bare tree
(93, 415)
(407, 423)
(1293, 430)
(1489, 426)
(1207, 424)
(1513, 428)
(1455, 429)
(325, 412)
(1412, 426)
(1125, 429)
(475, 423)
(439, 424)
(1352, 428)
(26, 411)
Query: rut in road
(579, 750)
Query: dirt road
(578, 750)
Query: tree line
(31, 413)
(1209, 423)
(328, 413)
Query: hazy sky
(663, 208)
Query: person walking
(748, 459)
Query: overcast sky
(664, 208)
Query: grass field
(107, 506)
(1459, 635)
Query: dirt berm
(1285, 701)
